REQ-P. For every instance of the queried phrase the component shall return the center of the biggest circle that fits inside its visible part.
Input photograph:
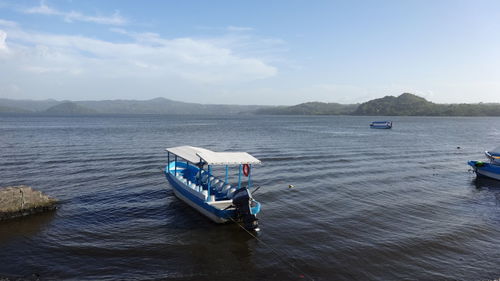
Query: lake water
(366, 204)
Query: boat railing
(219, 189)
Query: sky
(264, 52)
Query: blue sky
(250, 52)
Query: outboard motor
(242, 200)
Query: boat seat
(225, 188)
(230, 192)
(219, 186)
(178, 172)
(204, 178)
(181, 178)
(214, 182)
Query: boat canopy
(194, 154)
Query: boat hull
(381, 125)
(193, 199)
(197, 201)
(485, 169)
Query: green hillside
(405, 104)
(9, 109)
(69, 108)
(310, 108)
(412, 105)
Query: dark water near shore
(367, 204)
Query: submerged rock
(22, 200)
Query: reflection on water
(482, 182)
(489, 185)
(25, 227)
(18, 233)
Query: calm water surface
(367, 204)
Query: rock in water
(22, 200)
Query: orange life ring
(246, 169)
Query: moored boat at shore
(491, 169)
(192, 180)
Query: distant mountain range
(310, 108)
(153, 106)
(403, 105)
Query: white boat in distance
(213, 196)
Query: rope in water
(276, 252)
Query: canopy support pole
(199, 173)
(250, 176)
(208, 185)
(227, 170)
(239, 177)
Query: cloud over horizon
(44, 9)
(36, 58)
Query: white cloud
(146, 63)
(230, 28)
(43, 9)
(7, 23)
(40, 69)
(3, 36)
(239, 28)
(189, 58)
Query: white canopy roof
(193, 155)
(190, 153)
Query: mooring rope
(276, 252)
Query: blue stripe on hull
(378, 127)
(486, 169)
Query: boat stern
(246, 208)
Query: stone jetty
(22, 200)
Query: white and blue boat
(381, 125)
(489, 169)
(190, 175)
